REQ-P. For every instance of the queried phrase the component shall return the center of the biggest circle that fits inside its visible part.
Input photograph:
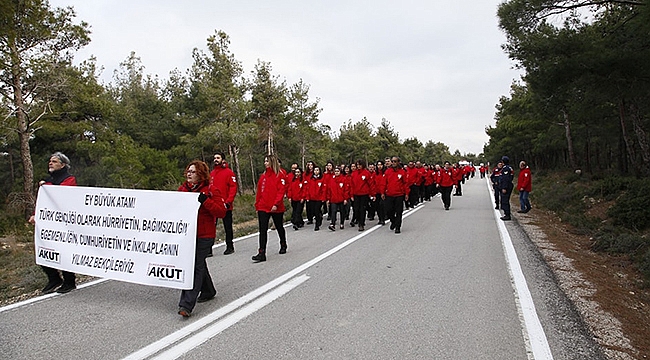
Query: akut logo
(166, 272)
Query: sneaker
(332, 227)
(259, 257)
(398, 231)
(361, 228)
(496, 207)
(202, 299)
(506, 218)
(342, 226)
(184, 312)
(392, 226)
(51, 286)
(446, 207)
(66, 288)
(353, 224)
(521, 211)
(295, 227)
(229, 251)
(382, 223)
(316, 228)
(283, 250)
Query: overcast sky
(434, 69)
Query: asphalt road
(445, 288)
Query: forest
(140, 130)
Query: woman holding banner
(197, 175)
(58, 167)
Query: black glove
(202, 197)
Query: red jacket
(361, 183)
(428, 177)
(317, 189)
(297, 189)
(224, 182)
(524, 182)
(446, 177)
(380, 183)
(270, 191)
(212, 208)
(413, 175)
(456, 174)
(338, 189)
(396, 182)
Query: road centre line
(178, 335)
(215, 329)
(536, 342)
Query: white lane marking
(233, 318)
(536, 341)
(189, 329)
(47, 296)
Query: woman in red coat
(338, 193)
(316, 196)
(446, 183)
(361, 187)
(197, 175)
(296, 194)
(269, 203)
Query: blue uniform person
(505, 187)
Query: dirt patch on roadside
(607, 290)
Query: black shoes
(51, 286)
(229, 251)
(398, 231)
(342, 226)
(392, 226)
(332, 227)
(283, 250)
(316, 228)
(261, 256)
(446, 207)
(361, 228)
(309, 222)
(506, 218)
(295, 227)
(209, 254)
(202, 299)
(66, 288)
(382, 223)
(184, 312)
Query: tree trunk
(250, 156)
(642, 140)
(569, 139)
(234, 154)
(23, 132)
(628, 143)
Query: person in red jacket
(58, 167)
(213, 206)
(458, 176)
(297, 195)
(316, 196)
(414, 178)
(269, 203)
(338, 193)
(361, 187)
(380, 187)
(395, 193)
(224, 182)
(525, 186)
(309, 170)
(446, 183)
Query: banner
(140, 236)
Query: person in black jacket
(505, 186)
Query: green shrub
(632, 208)
(644, 265)
(623, 243)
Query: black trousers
(360, 205)
(337, 208)
(394, 206)
(505, 201)
(296, 213)
(202, 279)
(54, 277)
(497, 196)
(316, 210)
(263, 221)
(445, 193)
(227, 228)
(459, 190)
(414, 196)
(381, 208)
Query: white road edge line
(536, 341)
(223, 311)
(233, 318)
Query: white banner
(140, 236)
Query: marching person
(361, 187)
(395, 193)
(494, 178)
(58, 167)
(525, 186)
(446, 183)
(297, 194)
(197, 175)
(269, 203)
(316, 196)
(380, 186)
(224, 183)
(338, 193)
